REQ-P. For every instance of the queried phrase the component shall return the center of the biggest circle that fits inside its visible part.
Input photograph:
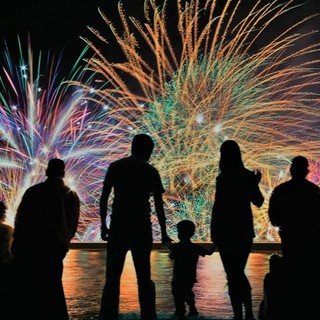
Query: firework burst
(43, 116)
(207, 78)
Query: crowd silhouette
(33, 250)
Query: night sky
(57, 25)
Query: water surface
(84, 275)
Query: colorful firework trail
(43, 116)
(205, 79)
(208, 86)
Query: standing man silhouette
(294, 208)
(46, 221)
(133, 181)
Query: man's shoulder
(70, 192)
(121, 162)
(283, 186)
(132, 162)
(291, 185)
(312, 185)
(35, 187)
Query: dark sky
(52, 24)
(58, 24)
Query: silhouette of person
(133, 181)
(294, 207)
(46, 221)
(185, 255)
(232, 229)
(6, 237)
(273, 305)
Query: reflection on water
(84, 279)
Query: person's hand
(258, 175)
(166, 240)
(213, 248)
(104, 231)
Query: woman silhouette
(232, 223)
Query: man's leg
(146, 287)
(110, 297)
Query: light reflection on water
(84, 278)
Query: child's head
(186, 229)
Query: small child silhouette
(185, 254)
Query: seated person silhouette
(273, 305)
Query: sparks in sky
(43, 116)
(206, 78)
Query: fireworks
(207, 80)
(211, 73)
(43, 116)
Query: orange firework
(212, 73)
